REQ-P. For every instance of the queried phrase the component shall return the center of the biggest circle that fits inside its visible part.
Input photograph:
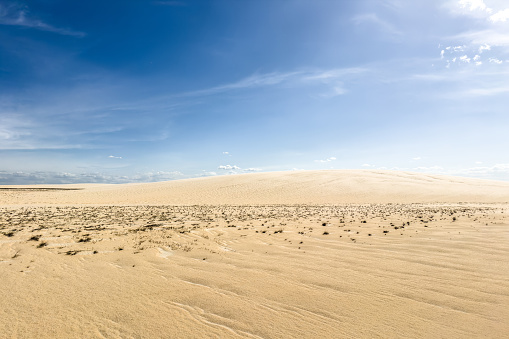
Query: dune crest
(297, 187)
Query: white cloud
(473, 5)
(226, 153)
(252, 169)
(229, 167)
(208, 173)
(484, 171)
(114, 157)
(17, 15)
(483, 48)
(18, 132)
(300, 77)
(485, 37)
(12, 127)
(339, 91)
(334, 92)
(326, 160)
(465, 58)
(382, 24)
(500, 16)
(416, 158)
(253, 81)
(488, 91)
(333, 74)
(495, 61)
(430, 168)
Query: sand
(318, 254)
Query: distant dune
(296, 187)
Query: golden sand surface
(299, 187)
(319, 254)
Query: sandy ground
(329, 254)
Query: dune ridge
(297, 187)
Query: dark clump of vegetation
(325, 233)
(35, 238)
(42, 244)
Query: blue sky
(135, 91)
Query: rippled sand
(74, 263)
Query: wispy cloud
(334, 92)
(326, 160)
(12, 127)
(253, 81)
(17, 132)
(299, 78)
(17, 15)
(252, 169)
(473, 5)
(229, 167)
(488, 91)
(372, 18)
(233, 169)
(65, 122)
(484, 37)
(332, 74)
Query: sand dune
(328, 254)
(300, 187)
